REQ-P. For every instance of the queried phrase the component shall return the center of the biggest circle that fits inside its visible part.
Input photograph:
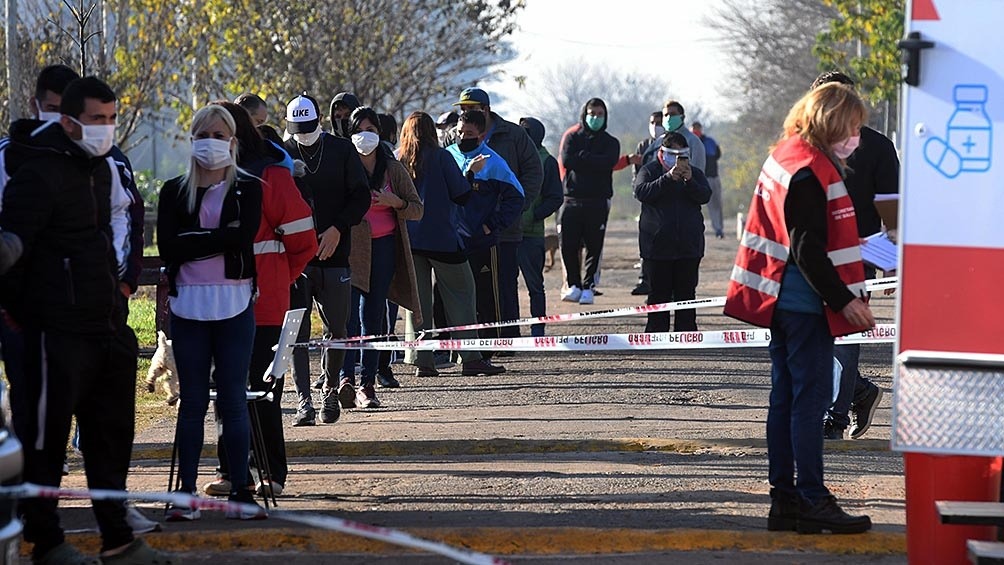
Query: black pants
(672, 281)
(508, 254)
(269, 411)
(93, 378)
(485, 267)
(582, 226)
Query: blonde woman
(799, 272)
(206, 224)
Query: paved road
(622, 444)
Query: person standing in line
(342, 106)
(519, 153)
(66, 206)
(873, 169)
(531, 250)
(436, 243)
(337, 191)
(671, 230)
(673, 116)
(713, 152)
(446, 125)
(799, 272)
(588, 155)
(381, 257)
(283, 245)
(655, 131)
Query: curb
(522, 541)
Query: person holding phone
(671, 229)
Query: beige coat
(404, 286)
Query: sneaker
(346, 394)
(443, 360)
(66, 468)
(246, 512)
(784, 511)
(268, 488)
(586, 296)
(572, 294)
(180, 513)
(304, 416)
(139, 553)
(831, 431)
(366, 397)
(385, 378)
(330, 412)
(863, 412)
(319, 383)
(219, 487)
(426, 372)
(641, 290)
(720, 234)
(481, 367)
(139, 523)
(827, 515)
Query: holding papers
(878, 251)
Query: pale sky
(641, 35)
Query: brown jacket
(404, 286)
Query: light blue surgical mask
(594, 123)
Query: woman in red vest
(799, 272)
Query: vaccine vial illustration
(969, 129)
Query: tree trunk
(14, 98)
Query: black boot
(784, 513)
(826, 515)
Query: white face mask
(211, 153)
(655, 130)
(844, 149)
(365, 141)
(46, 116)
(308, 139)
(97, 140)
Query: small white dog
(162, 367)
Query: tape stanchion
(871, 285)
(396, 537)
(721, 339)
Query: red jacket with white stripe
(763, 253)
(285, 242)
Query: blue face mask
(672, 123)
(594, 123)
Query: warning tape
(720, 339)
(396, 537)
(871, 285)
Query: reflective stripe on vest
(296, 226)
(269, 246)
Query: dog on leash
(162, 367)
(552, 243)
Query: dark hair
(388, 128)
(831, 76)
(675, 104)
(672, 138)
(54, 78)
(268, 132)
(656, 114)
(475, 117)
(249, 140)
(418, 136)
(366, 113)
(697, 125)
(78, 90)
(363, 113)
(249, 101)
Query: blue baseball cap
(473, 96)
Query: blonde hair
(825, 115)
(200, 121)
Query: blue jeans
(801, 354)
(531, 263)
(198, 345)
(368, 311)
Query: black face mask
(468, 145)
(340, 127)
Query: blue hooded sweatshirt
(496, 199)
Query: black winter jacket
(181, 239)
(671, 224)
(589, 158)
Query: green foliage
(143, 319)
(862, 39)
(149, 187)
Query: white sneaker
(572, 295)
(586, 296)
(139, 523)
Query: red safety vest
(763, 252)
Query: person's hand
(485, 229)
(677, 173)
(858, 314)
(476, 164)
(387, 199)
(125, 290)
(889, 291)
(328, 242)
(634, 159)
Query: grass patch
(143, 319)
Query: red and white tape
(396, 537)
(721, 339)
(871, 285)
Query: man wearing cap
(337, 191)
(513, 144)
(342, 106)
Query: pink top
(382, 219)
